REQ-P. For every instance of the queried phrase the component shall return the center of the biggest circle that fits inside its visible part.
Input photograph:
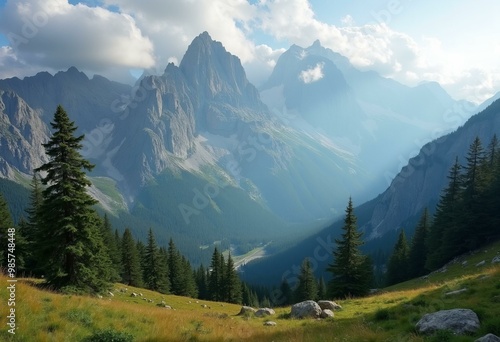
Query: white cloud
(313, 74)
(53, 34)
(375, 46)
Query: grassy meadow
(389, 315)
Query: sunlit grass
(390, 315)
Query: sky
(453, 42)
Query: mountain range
(203, 156)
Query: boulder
(488, 338)
(328, 304)
(496, 260)
(111, 294)
(133, 294)
(326, 313)
(306, 309)
(270, 323)
(481, 263)
(459, 321)
(264, 312)
(247, 310)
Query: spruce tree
(307, 287)
(441, 237)
(472, 217)
(286, 293)
(418, 250)
(30, 226)
(5, 224)
(215, 278)
(321, 289)
(175, 271)
(232, 283)
(189, 289)
(349, 269)
(131, 266)
(112, 249)
(69, 243)
(202, 282)
(397, 268)
(155, 276)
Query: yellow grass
(391, 315)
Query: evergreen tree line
(63, 238)
(352, 272)
(466, 217)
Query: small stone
(496, 260)
(328, 304)
(133, 294)
(264, 312)
(488, 338)
(270, 323)
(481, 263)
(247, 310)
(327, 313)
(111, 294)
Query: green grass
(390, 315)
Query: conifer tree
(446, 220)
(351, 276)
(215, 278)
(189, 289)
(286, 293)
(30, 226)
(155, 276)
(202, 282)
(472, 217)
(112, 249)
(69, 242)
(5, 224)
(307, 287)
(321, 289)
(418, 250)
(175, 270)
(232, 283)
(131, 266)
(397, 268)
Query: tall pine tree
(350, 269)
(232, 283)
(441, 233)
(155, 270)
(30, 226)
(69, 242)
(307, 287)
(418, 250)
(397, 268)
(131, 265)
(215, 278)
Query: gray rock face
(22, 133)
(326, 313)
(306, 309)
(488, 338)
(460, 321)
(264, 312)
(328, 304)
(247, 310)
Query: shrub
(109, 335)
(382, 315)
